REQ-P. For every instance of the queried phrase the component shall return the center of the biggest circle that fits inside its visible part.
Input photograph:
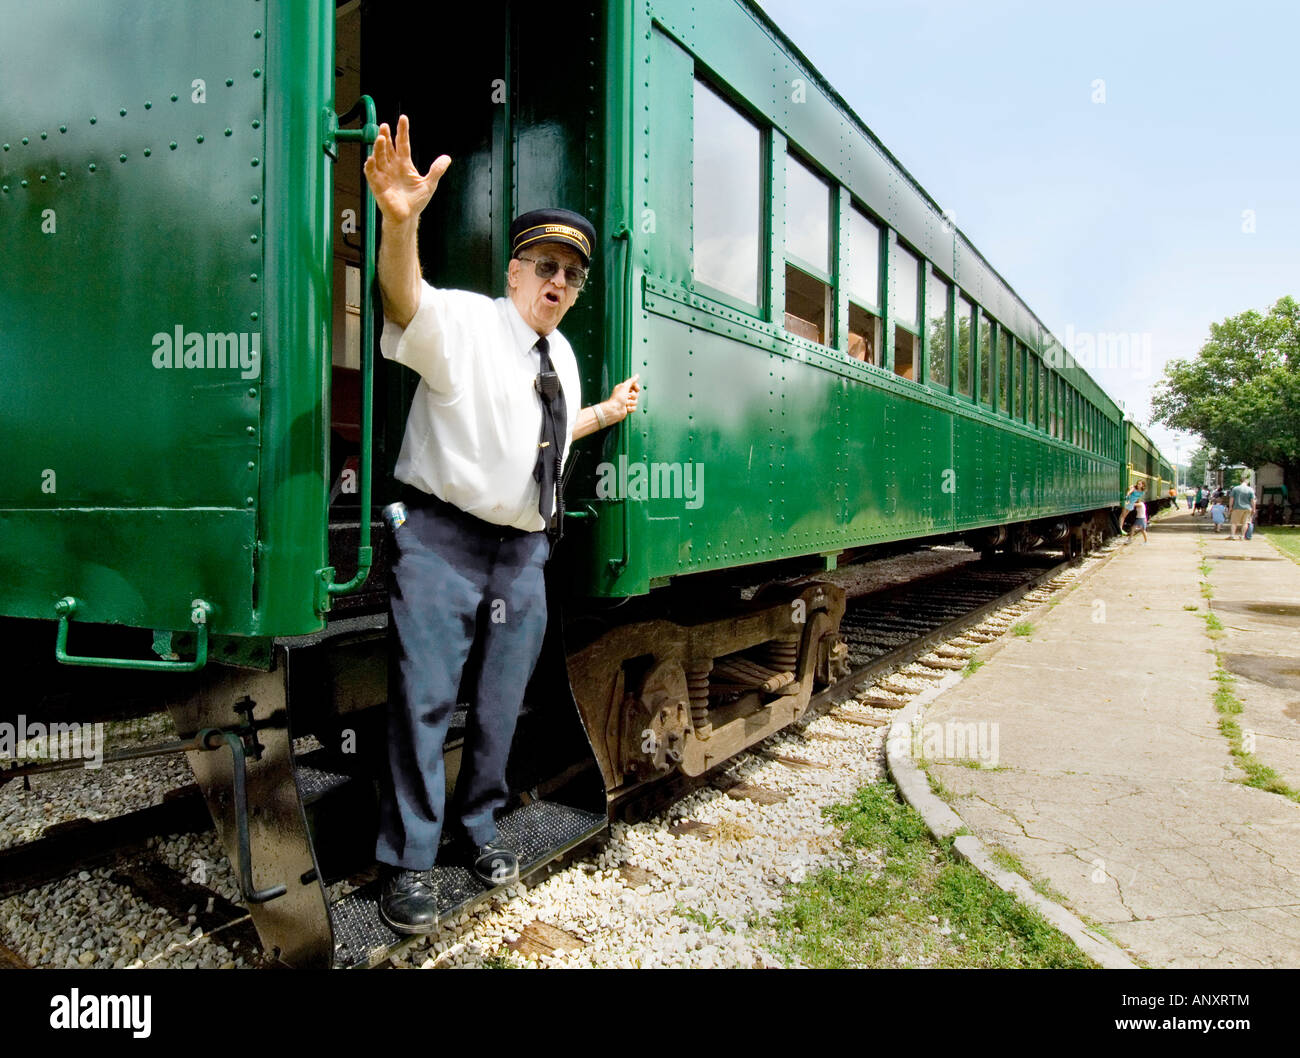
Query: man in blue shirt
(1241, 507)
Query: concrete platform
(1113, 783)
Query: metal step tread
(318, 774)
(536, 833)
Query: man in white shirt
(488, 430)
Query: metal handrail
(199, 613)
(367, 134)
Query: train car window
(864, 335)
(988, 372)
(1053, 402)
(1031, 389)
(1008, 357)
(863, 282)
(864, 261)
(907, 274)
(1041, 372)
(726, 197)
(904, 353)
(807, 216)
(939, 326)
(808, 305)
(906, 311)
(965, 326)
(1015, 378)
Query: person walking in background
(1140, 520)
(1218, 514)
(1199, 505)
(1241, 507)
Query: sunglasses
(546, 268)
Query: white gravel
(707, 903)
(87, 793)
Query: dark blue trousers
(462, 591)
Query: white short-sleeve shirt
(474, 425)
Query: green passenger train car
(201, 435)
(1145, 463)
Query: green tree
(1241, 392)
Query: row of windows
(977, 358)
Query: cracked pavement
(1120, 792)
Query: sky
(1129, 168)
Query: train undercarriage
(288, 746)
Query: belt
(418, 499)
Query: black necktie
(550, 448)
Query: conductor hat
(553, 225)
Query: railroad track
(885, 631)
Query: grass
(919, 907)
(1285, 538)
(976, 765)
(1022, 628)
(936, 787)
(1190, 606)
(1228, 706)
(1008, 861)
(972, 666)
(709, 922)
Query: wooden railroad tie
(952, 664)
(796, 762)
(691, 826)
(889, 687)
(635, 877)
(861, 719)
(541, 938)
(758, 794)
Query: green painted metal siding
(161, 181)
(803, 450)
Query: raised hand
(625, 396)
(401, 193)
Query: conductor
(486, 437)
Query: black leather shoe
(409, 900)
(496, 865)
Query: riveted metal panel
(163, 335)
(132, 218)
